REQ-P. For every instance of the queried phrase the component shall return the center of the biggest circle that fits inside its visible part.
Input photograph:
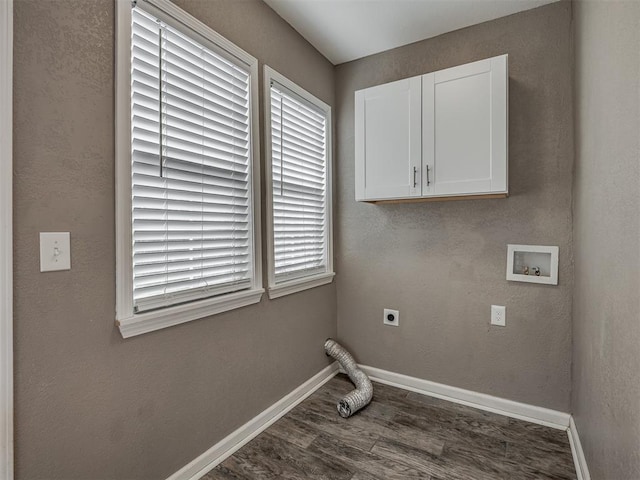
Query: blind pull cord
(160, 98)
(281, 149)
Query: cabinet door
(465, 129)
(388, 140)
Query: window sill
(299, 285)
(138, 324)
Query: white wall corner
(579, 459)
(6, 240)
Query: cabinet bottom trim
(441, 199)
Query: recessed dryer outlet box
(391, 317)
(532, 263)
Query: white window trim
(129, 323)
(304, 283)
(6, 239)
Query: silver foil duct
(361, 396)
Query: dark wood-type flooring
(399, 435)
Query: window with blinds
(299, 176)
(191, 185)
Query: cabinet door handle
(428, 181)
(415, 182)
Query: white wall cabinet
(436, 136)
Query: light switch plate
(55, 251)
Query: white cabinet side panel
(499, 124)
(359, 145)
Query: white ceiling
(344, 30)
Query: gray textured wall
(606, 306)
(88, 404)
(443, 264)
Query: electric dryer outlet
(391, 317)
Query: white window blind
(299, 186)
(191, 177)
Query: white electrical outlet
(391, 317)
(498, 315)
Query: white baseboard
(482, 401)
(578, 454)
(237, 439)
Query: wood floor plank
(457, 418)
(413, 397)
(476, 457)
(378, 409)
(438, 466)
(294, 431)
(366, 462)
(404, 454)
(221, 472)
(551, 460)
(399, 435)
(351, 433)
(230, 469)
(241, 465)
(366, 476)
(389, 429)
(275, 458)
(452, 431)
(526, 431)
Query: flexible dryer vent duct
(361, 396)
